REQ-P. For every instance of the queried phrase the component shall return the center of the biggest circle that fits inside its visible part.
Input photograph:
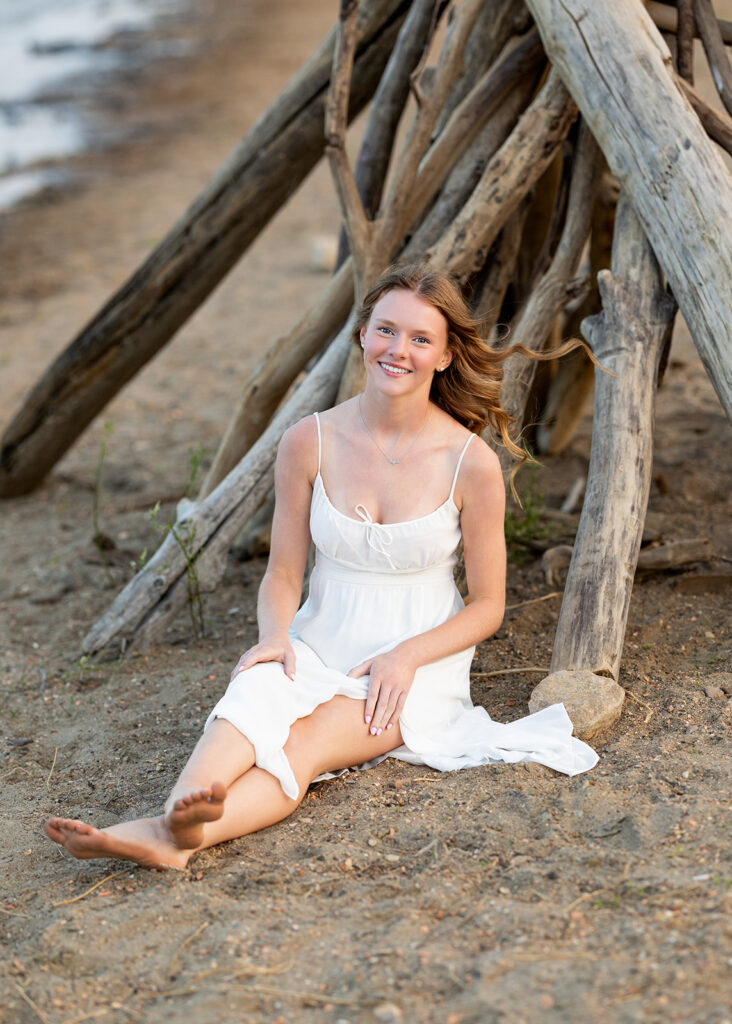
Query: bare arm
(281, 587)
(482, 496)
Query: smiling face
(404, 342)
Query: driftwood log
(627, 338)
(677, 179)
(267, 167)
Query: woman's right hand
(275, 649)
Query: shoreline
(65, 252)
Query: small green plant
(185, 536)
(523, 528)
(138, 564)
(195, 459)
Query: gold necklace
(394, 462)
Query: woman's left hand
(392, 675)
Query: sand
(501, 894)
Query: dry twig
(534, 600)
(75, 899)
(643, 704)
(508, 672)
(53, 765)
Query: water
(51, 53)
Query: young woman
(377, 660)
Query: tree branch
(717, 125)
(357, 225)
(388, 104)
(685, 31)
(519, 163)
(711, 37)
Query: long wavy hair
(469, 388)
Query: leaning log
(660, 154)
(555, 287)
(204, 531)
(627, 338)
(198, 252)
(517, 165)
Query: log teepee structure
(558, 161)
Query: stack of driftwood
(558, 160)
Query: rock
(715, 692)
(388, 1013)
(554, 564)
(592, 702)
(721, 679)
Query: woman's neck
(391, 416)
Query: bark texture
(627, 338)
(660, 154)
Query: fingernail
(389, 725)
(373, 730)
(378, 732)
(368, 719)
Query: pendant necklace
(394, 462)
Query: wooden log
(500, 272)
(267, 386)
(518, 164)
(387, 107)
(717, 124)
(685, 31)
(143, 610)
(201, 248)
(497, 23)
(713, 43)
(555, 286)
(666, 17)
(672, 555)
(460, 183)
(627, 338)
(659, 152)
(573, 381)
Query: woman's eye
(384, 329)
(422, 341)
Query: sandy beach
(495, 895)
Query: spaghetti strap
(459, 462)
(320, 443)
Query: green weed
(185, 537)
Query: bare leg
(334, 736)
(221, 755)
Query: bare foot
(146, 841)
(188, 815)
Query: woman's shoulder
(475, 451)
(299, 445)
(480, 472)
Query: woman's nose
(399, 342)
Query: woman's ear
(446, 360)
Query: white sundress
(373, 586)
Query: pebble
(388, 1013)
(392, 858)
(715, 692)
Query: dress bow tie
(378, 536)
